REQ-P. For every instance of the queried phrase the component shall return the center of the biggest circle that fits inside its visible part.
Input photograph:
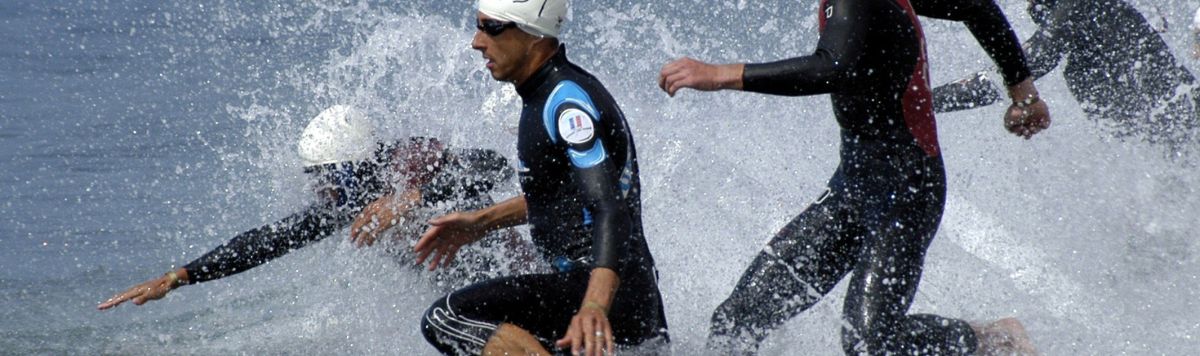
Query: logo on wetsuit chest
(575, 126)
(828, 11)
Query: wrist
(177, 278)
(1027, 101)
(731, 76)
(482, 219)
(1024, 94)
(172, 279)
(594, 305)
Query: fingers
(125, 296)
(670, 74)
(608, 338)
(683, 78)
(662, 78)
(369, 232)
(439, 258)
(426, 243)
(568, 341)
(444, 219)
(357, 226)
(112, 302)
(144, 293)
(423, 254)
(1028, 121)
(575, 332)
(447, 254)
(589, 336)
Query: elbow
(611, 238)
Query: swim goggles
(338, 176)
(494, 27)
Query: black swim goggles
(340, 177)
(494, 27)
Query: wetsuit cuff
(753, 75)
(1012, 78)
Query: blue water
(136, 135)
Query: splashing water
(141, 134)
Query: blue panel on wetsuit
(589, 158)
(566, 92)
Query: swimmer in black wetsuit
(884, 203)
(581, 197)
(337, 148)
(1117, 66)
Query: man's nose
(477, 42)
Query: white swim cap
(338, 134)
(537, 17)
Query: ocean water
(136, 135)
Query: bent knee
(453, 333)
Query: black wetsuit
(579, 176)
(883, 205)
(464, 180)
(1117, 66)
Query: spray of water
(1086, 238)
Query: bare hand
(445, 236)
(376, 218)
(690, 73)
(1028, 120)
(380, 216)
(590, 330)
(153, 289)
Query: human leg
(799, 265)
(887, 271)
(514, 313)
(502, 314)
(510, 339)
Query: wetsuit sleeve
(839, 49)
(255, 247)
(1043, 50)
(965, 94)
(470, 173)
(990, 27)
(579, 129)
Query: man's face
(506, 52)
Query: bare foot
(1004, 337)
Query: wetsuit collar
(529, 87)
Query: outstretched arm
(822, 72)
(255, 247)
(245, 251)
